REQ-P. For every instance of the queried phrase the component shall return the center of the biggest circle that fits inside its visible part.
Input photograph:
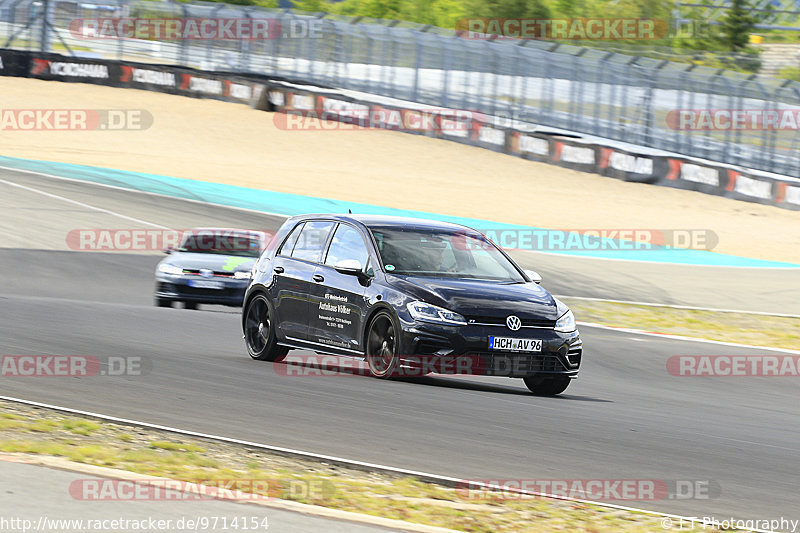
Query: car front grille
(197, 291)
(501, 321)
(218, 274)
(519, 365)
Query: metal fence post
(417, 62)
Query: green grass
(80, 427)
(403, 498)
(176, 446)
(778, 332)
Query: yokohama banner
(167, 79)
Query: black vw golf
(410, 296)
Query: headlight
(241, 274)
(432, 313)
(566, 323)
(172, 270)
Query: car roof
(236, 231)
(384, 221)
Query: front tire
(259, 331)
(381, 346)
(547, 386)
(163, 302)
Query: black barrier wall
(167, 79)
(317, 108)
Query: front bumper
(465, 350)
(177, 289)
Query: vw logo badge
(206, 273)
(513, 323)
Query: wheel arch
(381, 306)
(252, 293)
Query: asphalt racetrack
(626, 417)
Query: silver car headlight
(566, 323)
(433, 313)
(241, 274)
(172, 270)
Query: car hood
(479, 298)
(216, 262)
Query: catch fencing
(692, 110)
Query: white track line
(672, 306)
(281, 215)
(158, 194)
(443, 480)
(670, 336)
(81, 204)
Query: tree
(508, 9)
(570, 8)
(312, 6)
(737, 24)
(383, 9)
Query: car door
(338, 306)
(294, 267)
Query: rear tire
(163, 302)
(190, 305)
(381, 346)
(547, 386)
(259, 331)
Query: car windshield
(222, 243)
(456, 253)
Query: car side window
(289, 243)
(311, 242)
(347, 243)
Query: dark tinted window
(347, 243)
(222, 242)
(312, 240)
(443, 253)
(288, 244)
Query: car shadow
(320, 365)
(453, 382)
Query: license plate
(205, 284)
(511, 344)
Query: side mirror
(533, 276)
(349, 266)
